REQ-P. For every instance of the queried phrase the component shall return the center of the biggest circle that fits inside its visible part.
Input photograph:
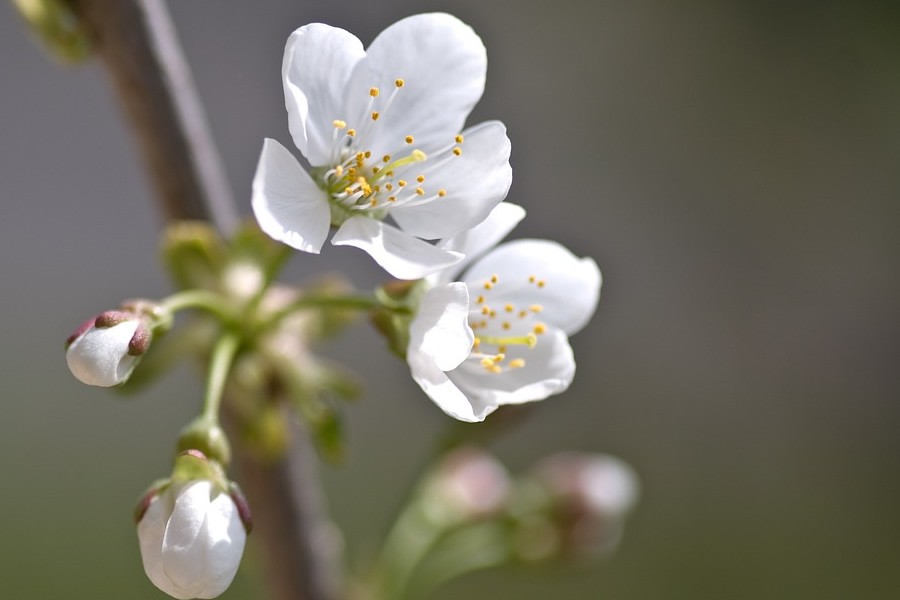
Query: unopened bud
(206, 437)
(104, 350)
(468, 484)
(192, 529)
(589, 498)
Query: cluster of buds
(192, 528)
(105, 349)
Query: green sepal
(58, 27)
(194, 254)
(207, 437)
(193, 465)
(328, 434)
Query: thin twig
(138, 45)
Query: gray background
(732, 166)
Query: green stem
(202, 299)
(329, 301)
(409, 541)
(223, 355)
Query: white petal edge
(572, 285)
(398, 253)
(441, 326)
(443, 64)
(287, 204)
(443, 392)
(475, 182)
(473, 243)
(317, 65)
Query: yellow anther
(476, 342)
(535, 308)
(457, 151)
(442, 192)
(488, 285)
(420, 178)
(399, 83)
(367, 154)
(338, 124)
(540, 328)
(495, 369)
(531, 340)
(493, 313)
(339, 170)
(392, 198)
(523, 314)
(348, 191)
(401, 183)
(483, 324)
(375, 115)
(386, 158)
(506, 325)
(532, 279)
(487, 362)
(479, 300)
(389, 186)
(374, 202)
(418, 155)
(375, 170)
(509, 308)
(485, 310)
(420, 191)
(499, 358)
(351, 132)
(541, 283)
(494, 279)
(517, 363)
(373, 92)
(409, 139)
(501, 349)
(360, 180)
(389, 173)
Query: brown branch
(137, 42)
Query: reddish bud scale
(80, 331)
(111, 318)
(237, 496)
(140, 341)
(144, 504)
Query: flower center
(504, 330)
(358, 182)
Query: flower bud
(468, 484)
(589, 496)
(105, 349)
(192, 531)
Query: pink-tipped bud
(104, 350)
(590, 495)
(468, 484)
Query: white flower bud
(192, 537)
(470, 484)
(104, 350)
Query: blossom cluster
(394, 169)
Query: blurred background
(733, 168)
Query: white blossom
(382, 129)
(499, 335)
(191, 538)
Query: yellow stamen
(517, 363)
(506, 325)
(479, 300)
(420, 178)
(386, 158)
(457, 151)
(459, 139)
(420, 191)
(399, 83)
(374, 92)
(509, 308)
(351, 132)
(409, 139)
(375, 115)
(476, 342)
(442, 192)
(401, 183)
(536, 308)
(540, 328)
(338, 124)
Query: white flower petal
(287, 204)
(444, 392)
(318, 62)
(100, 355)
(443, 64)
(474, 242)
(400, 254)
(183, 548)
(224, 539)
(441, 327)
(571, 285)
(151, 529)
(475, 182)
(549, 369)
